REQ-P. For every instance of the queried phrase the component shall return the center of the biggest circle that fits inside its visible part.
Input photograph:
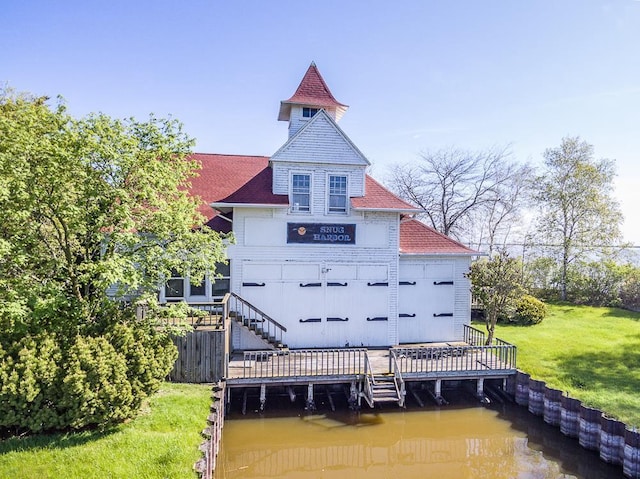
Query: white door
(426, 303)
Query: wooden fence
(202, 356)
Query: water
(453, 442)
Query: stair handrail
(264, 315)
(369, 380)
(397, 377)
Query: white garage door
(426, 303)
(322, 305)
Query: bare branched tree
(500, 217)
(465, 194)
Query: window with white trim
(174, 287)
(198, 289)
(337, 194)
(220, 285)
(300, 193)
(308, 112)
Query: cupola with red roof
(312, 95)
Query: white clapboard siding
(321, 141)
(282, 172)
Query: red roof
(233, 179)
(377, 197)
(418, 238)
(314, 91)
(236, 179)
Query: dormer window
(337, 194)
(300, 193)
(308, 112)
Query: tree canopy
(88, 206)
(94, 202)
(576, 211)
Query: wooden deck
(429, 361)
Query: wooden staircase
(256, 321)
(383, 387)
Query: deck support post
(438, 393)
(480, 391)
(245, 393)
(311, 405)
(292, 393)
(263, 396)
(354, 397)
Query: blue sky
(417, 75)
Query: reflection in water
(471, 442)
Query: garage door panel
(341, 272)
(307, 272)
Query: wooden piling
(570, 416)
(522, 389)
(589, 434)
(552, 406)
(631, 462)
(611, 441)
(536, 397)
(212, 434)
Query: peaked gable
(321, 140)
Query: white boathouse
(331, 255)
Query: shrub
(630, 290)
(50, 382)
(596, 283)
(529, 310)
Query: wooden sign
(321, 233)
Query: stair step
(385, 399)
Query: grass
(591, 353)
(162, 442)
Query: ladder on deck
(382, 388)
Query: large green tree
(88, 206)
(577, 212)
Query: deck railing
(473, 336)
(303, 363)
(369, 380)
(397, 377)
(455, 359)
(210, 314)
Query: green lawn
(592, 353)
(162, 442)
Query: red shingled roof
(377, 197)
(233, 179)
(313, 90)
(418, 238)
(237, 179)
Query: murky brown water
(447, 443)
